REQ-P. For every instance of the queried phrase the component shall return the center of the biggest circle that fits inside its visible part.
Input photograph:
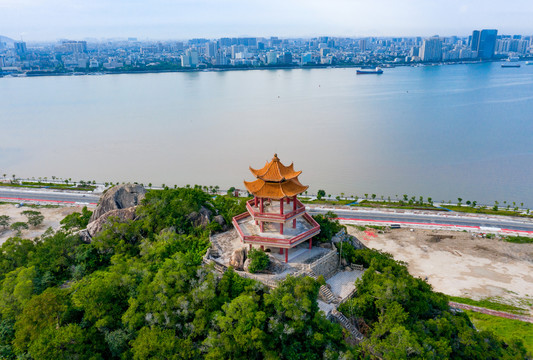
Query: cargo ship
(510, 65)
(369, 71)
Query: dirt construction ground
(460, 263)
(52, 217)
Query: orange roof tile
(275, 171)
(275, 190)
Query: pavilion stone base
(320, 260)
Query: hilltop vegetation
(140, 291)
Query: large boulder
(238, 258)
(246, 265)
(123, 215)
(200, 218)
(119, 197)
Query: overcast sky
(183, 19)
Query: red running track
(41, 200)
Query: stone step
(343, 320)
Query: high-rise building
(20, 48)
(272, 58)
(431, 49)
(484, 43)
(307, 58)
(487, 43)
(363, 44)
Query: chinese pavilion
(275, 217)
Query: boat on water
(510, 65)
(369, 71)
(529, 62)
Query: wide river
(441, 131)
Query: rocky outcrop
(220, 220)
(123, 215)
(238, 259)
(119, 197)
(200, 218)
(118, 202)
(246, 265)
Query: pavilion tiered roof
(275, 181)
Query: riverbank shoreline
(248, 68)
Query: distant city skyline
(35, 20)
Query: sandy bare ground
(460, 263)
(52, 217)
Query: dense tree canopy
(139, 290)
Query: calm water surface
(441, 131)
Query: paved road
(448, 219)
(49, 196)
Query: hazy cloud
(164, 19)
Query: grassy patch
(397, 205)
(55, 186)
(476, 210)
(325, 202)
(506, 329)
(518, 239)
(489, 303)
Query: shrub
(259, 260)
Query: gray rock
(123, 215)
(85, 236)
(326, 245)
(246, 265)
(344, 262)
(220, 220)
(200, 218)
(119, 197)
(238, 259)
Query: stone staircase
(345, 323)
(324, 292)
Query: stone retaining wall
(327, 265)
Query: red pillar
(281, 251)
(281, 202)
(281, 228)
(250, 246)
(294, 203)
(294, 224)
(286, 255)
(255, 200)
(288, 200)
(310, 243)
(262, 247)
(261, 206)
(260, 226)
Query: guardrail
(276, 241)
(300, 208)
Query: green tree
(156, 343)
(328, 226)
(320, 194)
(239, 332)
(4, 221)
(48, 309)
(259, 260)
(77, 220)
(374, 196)
(35, 218)
(16, 290)
(15, 252)
(459, 201)
(67, 342)
(18, 226)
